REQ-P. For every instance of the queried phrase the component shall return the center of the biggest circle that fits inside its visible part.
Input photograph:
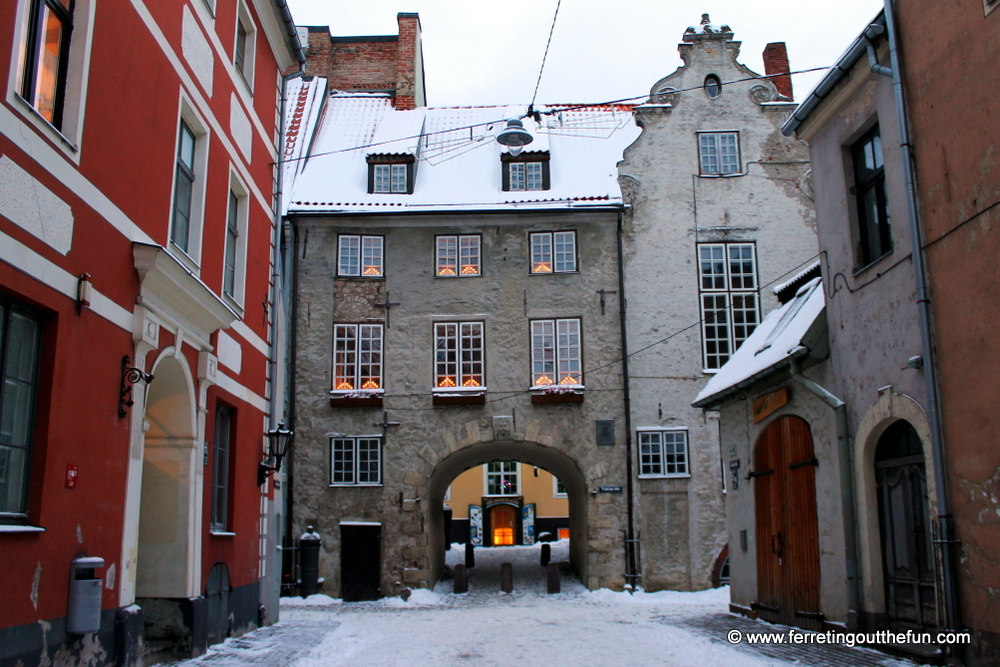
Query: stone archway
(889, 408)
(168, 558)
(531, 453)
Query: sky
(483, 53)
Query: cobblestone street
(486, 627)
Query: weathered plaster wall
(506, 298)
(673, 209)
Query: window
(663, 453)
(458, 355)
(244, 47)
(458, 256)
(558, 490)
(390, 174)
(713, 87)
(360, 256)
(527, 171)
(719, 153)
(553, 252)
(729, 303)
(20, 333)
(356, 461)
(47, 46)
(501, 478)
(220, 474)
(180, 232)
(874, 232)
(357, 355)
(555, 353)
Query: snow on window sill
(456, 391)
(356, 393)
(222, 533)
(21, 528)
(685, 475)
(340, 485)
(557, 388)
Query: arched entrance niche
(530, 453)
(167, 564)
(889, 409)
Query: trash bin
(84, 596)
(309, 545)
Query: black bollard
(309, 545)
(461, 579)
(546, 554)
(470, 555)
(507, 578)
(553, 581)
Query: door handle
(777, 545)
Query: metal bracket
(130, 375)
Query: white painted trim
(26, 260)
(241, 392)
(240, 327)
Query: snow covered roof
(795, 282)
(458, 160)
(782, 335)
(304, 102)
(706, 27)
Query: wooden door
(904, 522)
(787, 531)
(217, 603)
(503, 521)
(360, 562)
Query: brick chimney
(319, 53)
(409, 63)
(776, 63)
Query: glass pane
(180, 231)
(46, 75)
(398, 178)
(472, 354)
(13, 475)
(345, 357)
(342, 461)
(447, 256)
(565, 243)
(729, 153)
(569, 352)
(533, 176)
(372, 255)
(712, 267)
(241, 47)
(350, 256)
(543, 353)
(708, 154)
(469, 251)
(185, 148)
(741, 267)
(382, 183)
(541, 253)
(232, 236)
(370, 368)
(446, 355)
(517, 177)
(369, 454)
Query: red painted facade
(102, 183)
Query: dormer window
(390, 174)
(527, 171)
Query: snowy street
(528, 627)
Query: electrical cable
(545, 57)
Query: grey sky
(490, 53)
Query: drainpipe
(846, 460)
(946, 539)
(632, 576)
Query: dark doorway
(360, 562)
(907, 559)
(217, 603)
(787, 531)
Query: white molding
(233, 386)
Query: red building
(137, 230)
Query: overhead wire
(545, 57)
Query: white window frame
(556, 493)
(350, 359)
(67, 138)
(236, 296)
(733, 295)
(191, 256)
(393, 179)
(369, 249)
(713, 157)
(659, 468)
(465, 346)
(503, 473)
(458, 256)
(350, 471)
(525, 176)
(222, 456)
(567, 366)
(546, 258)
(244, 19)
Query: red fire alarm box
(71, 473)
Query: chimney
(776, 67)
(319, 56)
(409, 63)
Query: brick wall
(406, 74)
(776, 62)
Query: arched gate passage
(552, 460)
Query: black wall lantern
(130, 376)
(279, 441)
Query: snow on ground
(527, 627)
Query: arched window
(713, 87)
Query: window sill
(184, 259)
(381, 277)
(221, 533)
(354, 486)
(732, 175)
(554, 273)
(870, 265)
(31, 114)
(467, 275)
(673, 476)
(233, 304)
(21, 528)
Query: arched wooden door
(787, 531)
(904, 522)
